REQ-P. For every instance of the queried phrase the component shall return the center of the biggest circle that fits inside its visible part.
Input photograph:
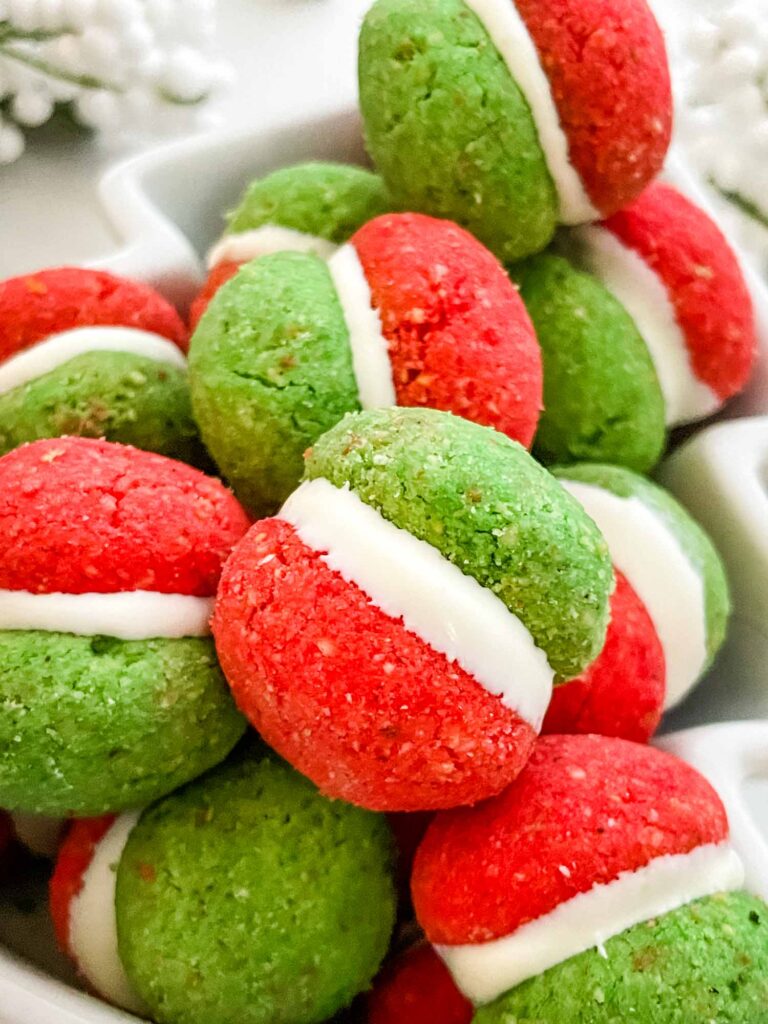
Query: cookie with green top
(602, 397)
(311, 207)
(668, 560)
(510, 116)
(413, 311)
(395, 631)
(244, 896)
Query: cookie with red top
(622, 693)
(417, 986)
(412, 311)
(671, 268)
(606, 868)
(110, 692)
(511, 116)
(86, 353)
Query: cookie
(311, 207)
(395, 631)
(244, 896)
(83, 352)
(412, 311)
(602, 397)
(110, 692)
(669, 561)
(511, 117)
(601, 886)
(623, 691)
(674, 272)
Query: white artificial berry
(185, 76)
(100, 50)
(98, 108)
(79, 13)
(136, 39)
(744, 105)
(737, 22)
(118, 12)
(32, 107)
(11, 143)
(737, 64)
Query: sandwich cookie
(110, 693)
(312, 207)
(412, 311)
(668, 560)
(623, 691)
(395, 631)
(602, 397)
(511, 116)
(417, 986)
(671, 268)
(243, 896)
(83, 352)
(600, 886)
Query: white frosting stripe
(410, 580)
(93, 921)
(127, 615)
(659, 570)
(511, 38)
(370, 351)
(485, 971)
(58, 349)
(645, 297)
(269, 238)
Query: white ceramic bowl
(166, 207)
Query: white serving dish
(166, 207)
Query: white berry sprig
(721, 71)
(141, 65)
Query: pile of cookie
(336, 623)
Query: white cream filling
(126, 615)
(93, 921)
(40, 834)
(370, 351)
(58, 349)
(248, 245)
(408, 579)
(645, 297)
(511, 38)
(484, 971)
(659, 570)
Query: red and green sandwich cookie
(412, 311)
(674, 570)
(395, 631)
(245, 896)
(646, 325)
(623, 692)
(600, 886)
(83, 352)
(417, 986)
(312, 207)
(110, 692)
(511, 116)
